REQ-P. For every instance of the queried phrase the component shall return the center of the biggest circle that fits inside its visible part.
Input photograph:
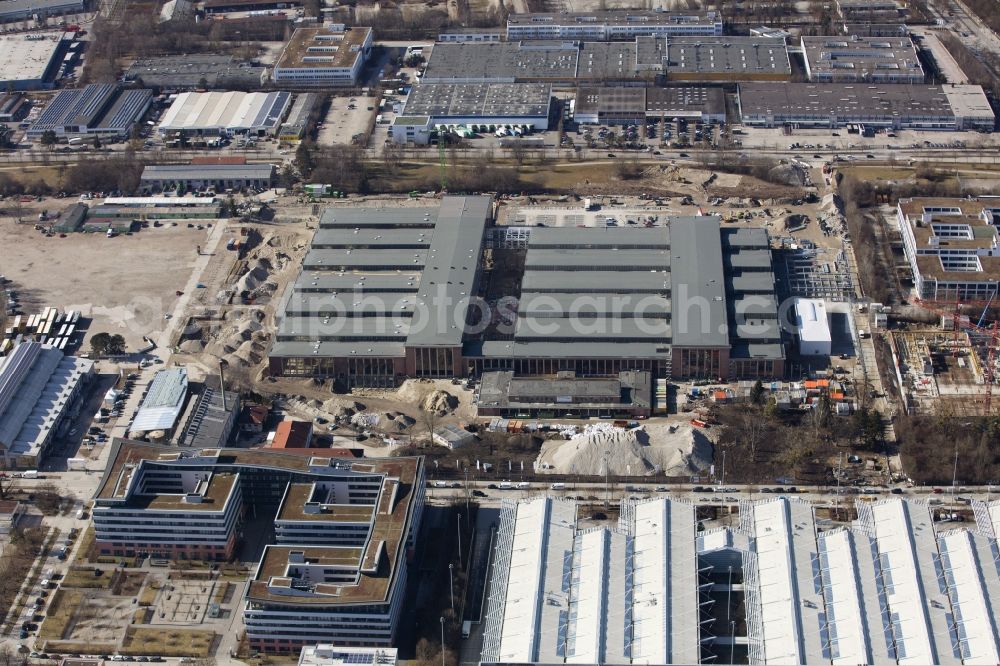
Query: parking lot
(348, 117)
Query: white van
(558, 486)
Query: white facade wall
(814, 327)
(602, 32)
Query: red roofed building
(293, 435)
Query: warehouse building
(294, 127)
(629, 395)
(162, 405)
(102, 110)
(13, 106)
(323, 57)
(211, 416)
(689, 300)
(861, 59)
(612, 25)
(642, 61)
(343, 530)
(877, 11)
(170, 73)
(833, 105)
(375, 270)
(385, 294)
(41, 392)
(23, 10)
(225, 114)
(951, 246)
(225, 6)
(715, 59)
(31, 61)
(158, 208)
(781, 588)
(506, 62)
(625, 106)
(482, 105)
(216, 177)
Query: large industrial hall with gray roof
(782, 587)
(391, 293)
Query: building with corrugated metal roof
(225, 114)
(40, 393)
(98, 109)
(784, 587)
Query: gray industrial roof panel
(603, 61)
(371, 238)
(585, 281)
(699, 289)
(375, 259)
(595, 260)
(486, 100)
(685, 100)
(847, 99)
(726, 55)
(753, 283)
(504, 61)
(343, 329)
(350, 217)
(187, 71)
(450, 271)
(608, 329)
(207, 171)
(360, 349)
(749, 260)
(609, 99)
(745, 237)
(588, 305)
(351, 304)
(322, 281)
(863, 57)
(596, 237)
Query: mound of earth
(641, 451)
(440, 402)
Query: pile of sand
(413, 391)
(256, 274)
(440, 402)
(192, 346)
(641, 451)
(787, 174)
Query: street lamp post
(723, 468)
(442, 640)
(954, 473)
(451, 585)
